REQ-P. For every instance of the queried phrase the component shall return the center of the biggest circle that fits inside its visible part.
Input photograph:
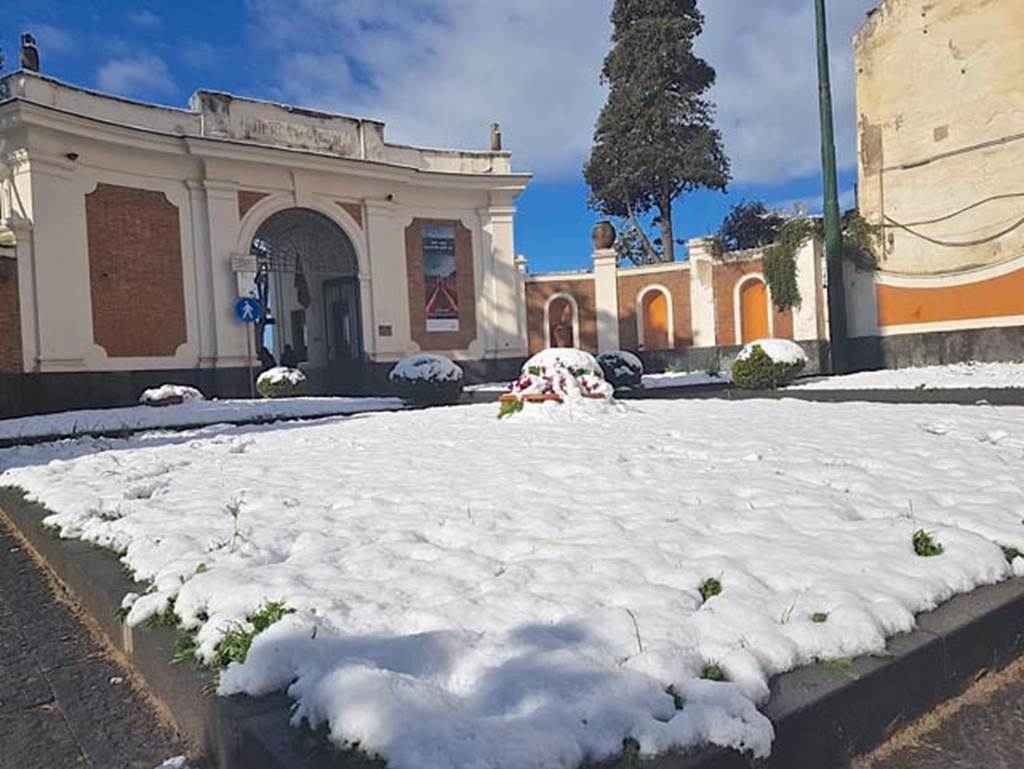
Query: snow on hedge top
(281, 375)
(779, 350)
(622, 362)
(168, 391)
(430, 368)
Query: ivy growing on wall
(860, 247)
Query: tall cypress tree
(655, 139)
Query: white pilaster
(606, 298)
(702, 293)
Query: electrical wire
(952, 244)
(971, 207)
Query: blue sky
(440, 71)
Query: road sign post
(249, 311)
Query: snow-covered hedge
(281, 382)
(561, 375)
(621, 369)
(767, 364)
(170, 395)
(428, 380)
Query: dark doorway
(343, 335)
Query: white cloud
(142, 75)
(52, 41)
(439, 71)
(144, 18)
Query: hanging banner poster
(441, 278)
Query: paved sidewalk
(983, 729)
(64, 702)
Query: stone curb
(824, 715)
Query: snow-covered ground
(524, 593)
(954, 376)
(193, 413)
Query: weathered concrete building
(940, 98)
(130, 230)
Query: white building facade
(128, 232)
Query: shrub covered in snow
(281, 382)
(560, 375)
(767, 364)
(428, 380)
(621, 369)
(170, 395)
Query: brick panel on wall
(246, 200)
(466, 277)
(135, 272)
(726, 276)
(678, 284)
(583, 291)
(10, 319)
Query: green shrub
(234, 645)
(709, 588)
(714, 672)
(1011, 553)
(759, 372)
(427, 380)
(925, 545)
(819, 618)
(281, 383)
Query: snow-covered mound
(467, 596)
(779, 350)
(563, 375)
(168, 394)
(425, 367)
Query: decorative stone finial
(604, 235)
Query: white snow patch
(954, 376)
(68, 424)
(163, 392)
(779, 350)
(178, 762)
(517, 594)
(432, 368)
(684, 379)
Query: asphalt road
(983, 729)
(65, 701)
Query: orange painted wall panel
(993, 298)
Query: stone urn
(604, 235)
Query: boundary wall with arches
(666, 312)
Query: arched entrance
(654, 314)
(754, 322)
(309, 279)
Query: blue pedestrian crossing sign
(248, 310)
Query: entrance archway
(309, 274)
(754, 320)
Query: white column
(702, 293)
(63, 299)
(606, 298)
(507, 336)
(385, 235)
(222, 221)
